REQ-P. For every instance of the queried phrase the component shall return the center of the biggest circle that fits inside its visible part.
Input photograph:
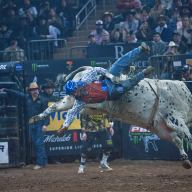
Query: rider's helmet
(71, 86)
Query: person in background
(47, 91)
(144, 33)
(158, 45)
(167, 71)
(92, 40)
(163, 29)
(101, 35)
(108, 23)
(28, 8)
(177, 39)
(131, 23)
(14, 52)
(95, 127)
(35, 104)
(131, 38)
(118, 35)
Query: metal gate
(12, 140)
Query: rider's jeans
(125, 61)
(117, 90)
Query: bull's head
(61, 79)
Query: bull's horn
(72, 74)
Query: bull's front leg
(57, 106)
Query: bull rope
(155, 106)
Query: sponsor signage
(58, 118)
(68, 144)
(4, 153)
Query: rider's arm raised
(77, 107)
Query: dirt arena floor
(127, 176)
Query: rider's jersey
(89, 77)
(95, 92)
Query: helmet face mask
(71, 87)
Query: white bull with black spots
(162, 106)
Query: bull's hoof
(187, 164)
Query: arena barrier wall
(12, 124)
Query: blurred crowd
(167, 25)
(159, 21)
(24, 20)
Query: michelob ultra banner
(58, 118)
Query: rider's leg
(126, 60)
(116, 91)
(131, 82)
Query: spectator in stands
(190, 6)
(5, 35)
(67, 14)
(119, 34)
(163, 29)
(12, 20)
(14, 52)
(45, 30)
(125, 5)
(157, 10)
(55, 20)
(92, 40)
(185, 30)
(184, 10)
(44, 9)
(28, 8)
(172, 49)
(131, 38)
(158, 46)
(41, 30)
(47, 91)
(167, 5)
(108, 23)
(144, 33)
(185, 74)
(146, 17)
(174, 19)
(182, 47)
(167, 68)
(101, 35)
(26, 27)
(190, 74)
(130, 23)
(8, 4)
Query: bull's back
(151, 97)
(136, 106)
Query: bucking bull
(164, 107)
